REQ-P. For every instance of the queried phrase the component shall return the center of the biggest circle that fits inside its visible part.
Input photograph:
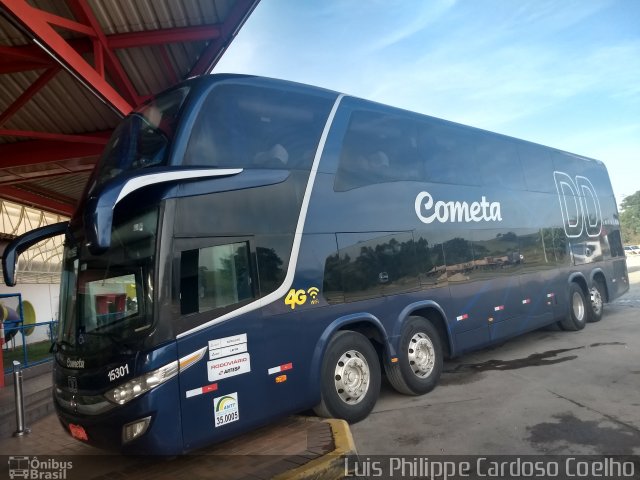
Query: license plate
(78, 431)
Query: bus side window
(556, 246)
(214, 277)
(537, 167)
(499, 164)
(377, 148)
(255, 127)
(448, 154)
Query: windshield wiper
(115, 339)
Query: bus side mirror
(98, 217)
(23, 242)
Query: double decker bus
(247, 248)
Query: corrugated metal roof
(64, 107)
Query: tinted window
(253, 127)
(496, 252)
(615, 243)
(377, 148)
(272, 256)
(458, 254)
(534, 256)
(537, 167)
(143, 139)
(430, 259)
(214, 277)
(499, 164)
(556, 246)
(448, 154)
(376, 263)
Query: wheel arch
(579, 279)
(434, 314)
(598, 275)
(365, 323)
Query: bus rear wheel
(597, 297)
(419, 359)
(578, 314)
(350, 378)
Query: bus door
(215, 277)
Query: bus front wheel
(350, 378)
(578, 314)
(419, 364)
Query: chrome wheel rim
(352, 377)
(421, 355)
(596, 300)
(578, 306)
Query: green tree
(630, 218)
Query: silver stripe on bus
(297, 239)
(153, 178)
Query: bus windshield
(109, 295)
(143, 138)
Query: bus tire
(596, 304)
(350, 378)
(419, 359)
(576, 318)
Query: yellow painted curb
(330, 466)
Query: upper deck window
(143, 138)
(257, 127)
(377, 148)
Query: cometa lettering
(456, 211)
(75, 363)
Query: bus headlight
(139, 385)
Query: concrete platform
(294, 448)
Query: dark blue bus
(247, 248)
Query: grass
(35, 352)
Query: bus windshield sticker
(227, 346)
(227, 341)
(226, 409)
(444, 212)
(228, 367)
(227, 351)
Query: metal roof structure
(70, 69)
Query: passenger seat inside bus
(275, 157)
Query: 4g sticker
(299, 297)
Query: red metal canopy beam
(31, 57)
(102, 52)
(31, 152)
(236, 17)
(164, 36)
(37, 22)
(37, 200)
(29, 93)
(53, 136)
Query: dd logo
(579, 205)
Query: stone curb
(331, 465)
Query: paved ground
(291, 448)
(548, 392)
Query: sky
(562, 73)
